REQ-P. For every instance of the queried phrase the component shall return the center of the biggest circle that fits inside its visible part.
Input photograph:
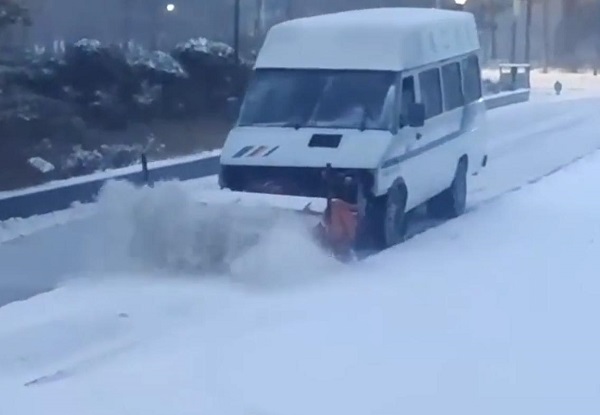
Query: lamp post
(155, 25)
(158, 12)
(236, 31)
(546, 18)
(515, 20)
(127, 16)
(460, 4)
(528, 13)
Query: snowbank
(490, 313)
(544, 82)
(17, 227)
(167, 228)
(527, 142)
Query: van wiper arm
(296, 125)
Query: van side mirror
(415, 114)
(233, 108)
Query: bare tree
(546, 29)
(528, 13)
(493, 30)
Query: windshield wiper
(296, 125)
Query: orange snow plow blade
(337, 229)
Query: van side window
(453, 94)
(471, 78)
(431, 92)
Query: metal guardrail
(507, 98)
(60, 198)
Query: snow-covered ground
(543, 83)
(527, 141)
(491, 313)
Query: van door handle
(419, 136)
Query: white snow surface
(395, 38)
(583, 83)
(490, 313)
(526, 143)
(42, 165)
(203, 45)
(15, 228)
(91, 45)
(156, 59)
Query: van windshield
(319, 98)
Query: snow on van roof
(369, 39)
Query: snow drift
(165, 228)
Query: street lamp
(458, 4)
(515, 21)
(170, 7)
(236, 30)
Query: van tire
(387, 217)
(452, 202)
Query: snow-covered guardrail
(503, 99)
(59, 196)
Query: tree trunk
(546, 28)
(528, 30)
(514, 28)
(236, 30)
(127, 18)
(493, 28)
(513, 49)
(258, 20)
(155, 24)
(570, 32)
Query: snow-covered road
(490, 313)
(527, 142)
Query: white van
(388, 101)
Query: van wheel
(452, 202)
(387, 218)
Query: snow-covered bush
(56, 105)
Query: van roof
(369, 39)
